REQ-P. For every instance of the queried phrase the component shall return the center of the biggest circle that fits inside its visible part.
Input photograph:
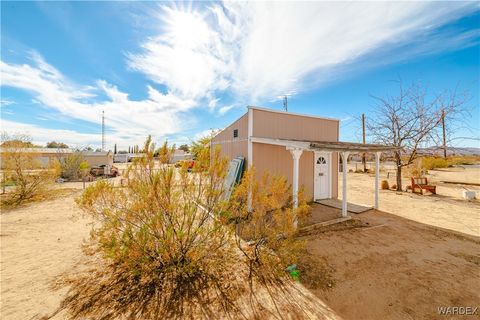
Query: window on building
(321, 160)
(235, 133)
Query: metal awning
(351, 146)
(325, 145)
(296, 148)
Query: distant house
(121, 157)
(180, 155)
(303, 148)
(46, 156)
(97, 159)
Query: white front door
(322, 170)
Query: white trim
(291, 113)
(316, 154)
(377, 174)
(296, 154)
(282, 142)
(250, 134)
(344, 183)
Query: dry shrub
(167, 247)
(384, 185)
(165, 153)
(72, 166)
(430, 163)
(23, 170)
(415, 169)
(270, 220)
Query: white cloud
(261, 50)
(205, 133)
(160, 114)
(6, 102)
(43, 135)
(225, 109)
(238, 53)
(188, 56)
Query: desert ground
(393, 268)
(446, 210)
(415, 254)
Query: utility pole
(364, 161)
(103, 130)
(444, 135)
(285, 103)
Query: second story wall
(233, 144)
(283, 125)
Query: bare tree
(410, 120)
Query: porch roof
(325, 145)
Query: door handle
(320, 174)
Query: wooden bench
(420, 184)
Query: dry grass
(429, 163)
(7, 205)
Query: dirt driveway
(394, 268)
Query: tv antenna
(103, 130)
(285, 103)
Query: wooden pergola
(296, 148)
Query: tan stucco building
(46, 156)
(305, 149)
(259, 134)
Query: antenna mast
(103, 130)
(285, 103)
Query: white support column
(296, 154)
(377, 174)
(344, 183)
(250, 154)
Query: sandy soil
(397, 269)
(38, 243)
(41, 242)
(400, 268)
(446, 210)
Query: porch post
(344, 183)
(296, 153)
(377, 174)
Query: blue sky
(176, 70)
